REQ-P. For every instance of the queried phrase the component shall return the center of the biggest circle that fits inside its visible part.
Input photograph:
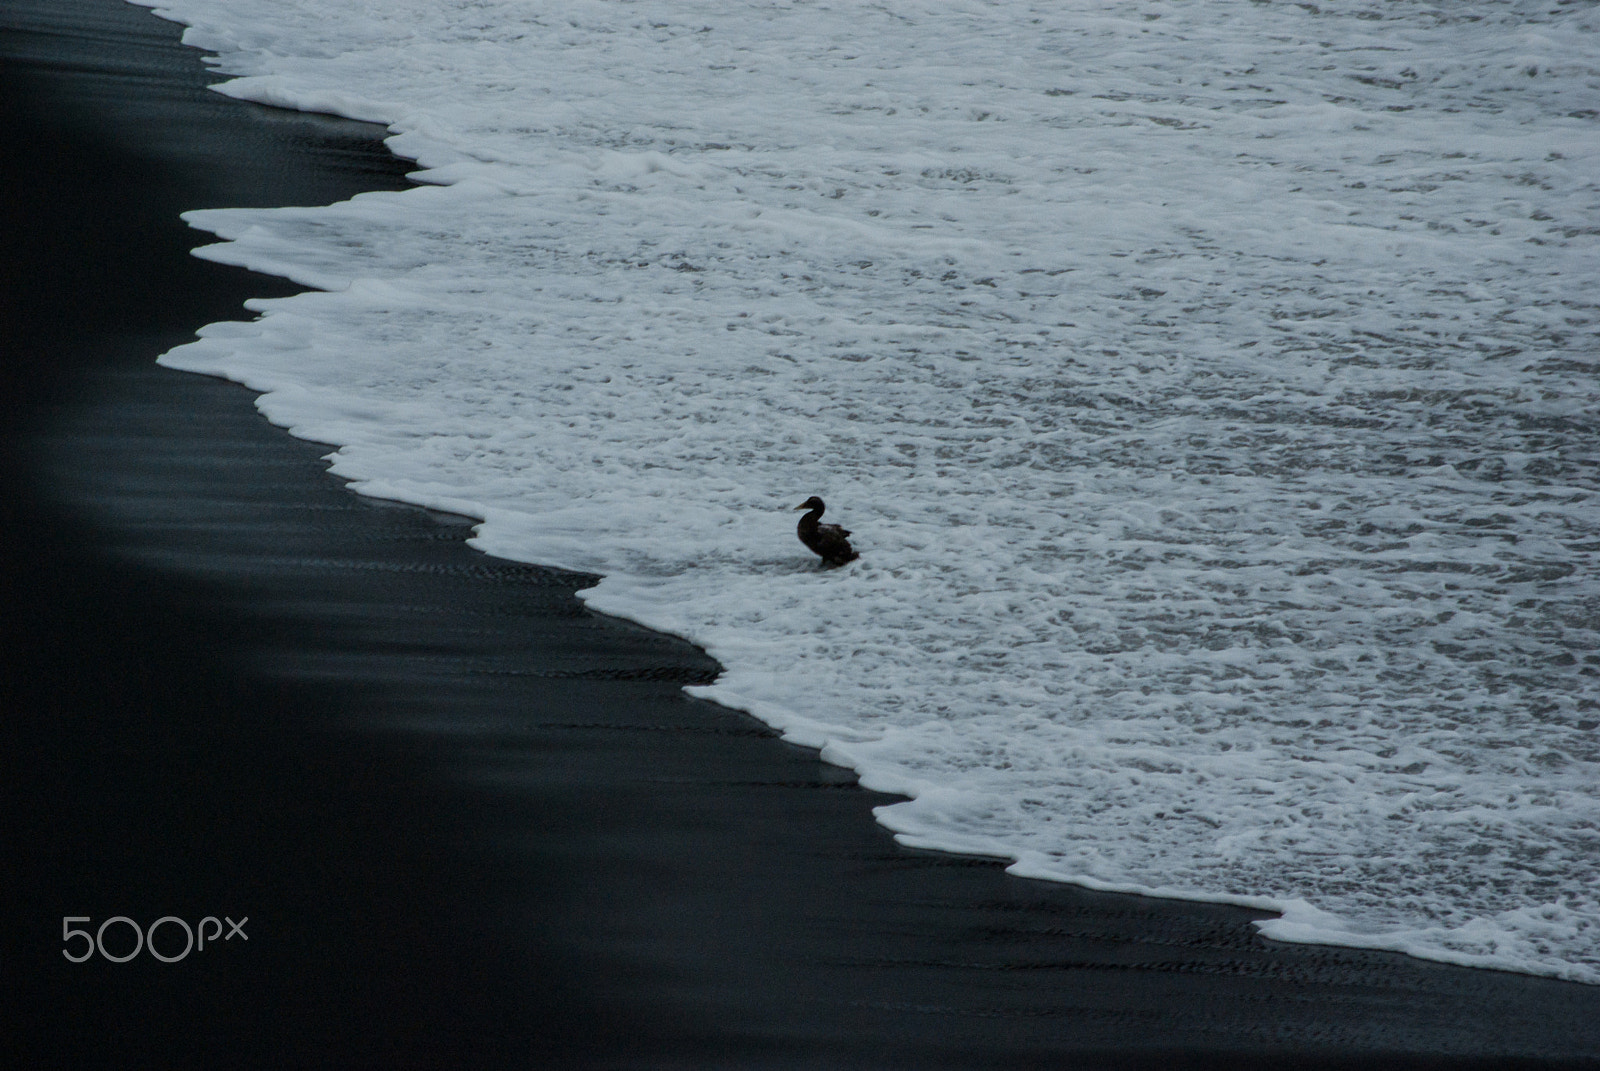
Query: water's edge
(1296, 921)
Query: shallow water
(1211, 391)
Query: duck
(829, 541)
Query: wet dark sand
(472, 824)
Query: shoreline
(474, 821)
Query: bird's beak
(800, 506)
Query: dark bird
(830, 541)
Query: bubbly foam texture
(1211, 389)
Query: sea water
(1211, 389)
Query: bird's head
(811, 503)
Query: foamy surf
(1211, 391)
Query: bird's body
(830, 542)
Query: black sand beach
(470, 823)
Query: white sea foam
(1211, 389)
